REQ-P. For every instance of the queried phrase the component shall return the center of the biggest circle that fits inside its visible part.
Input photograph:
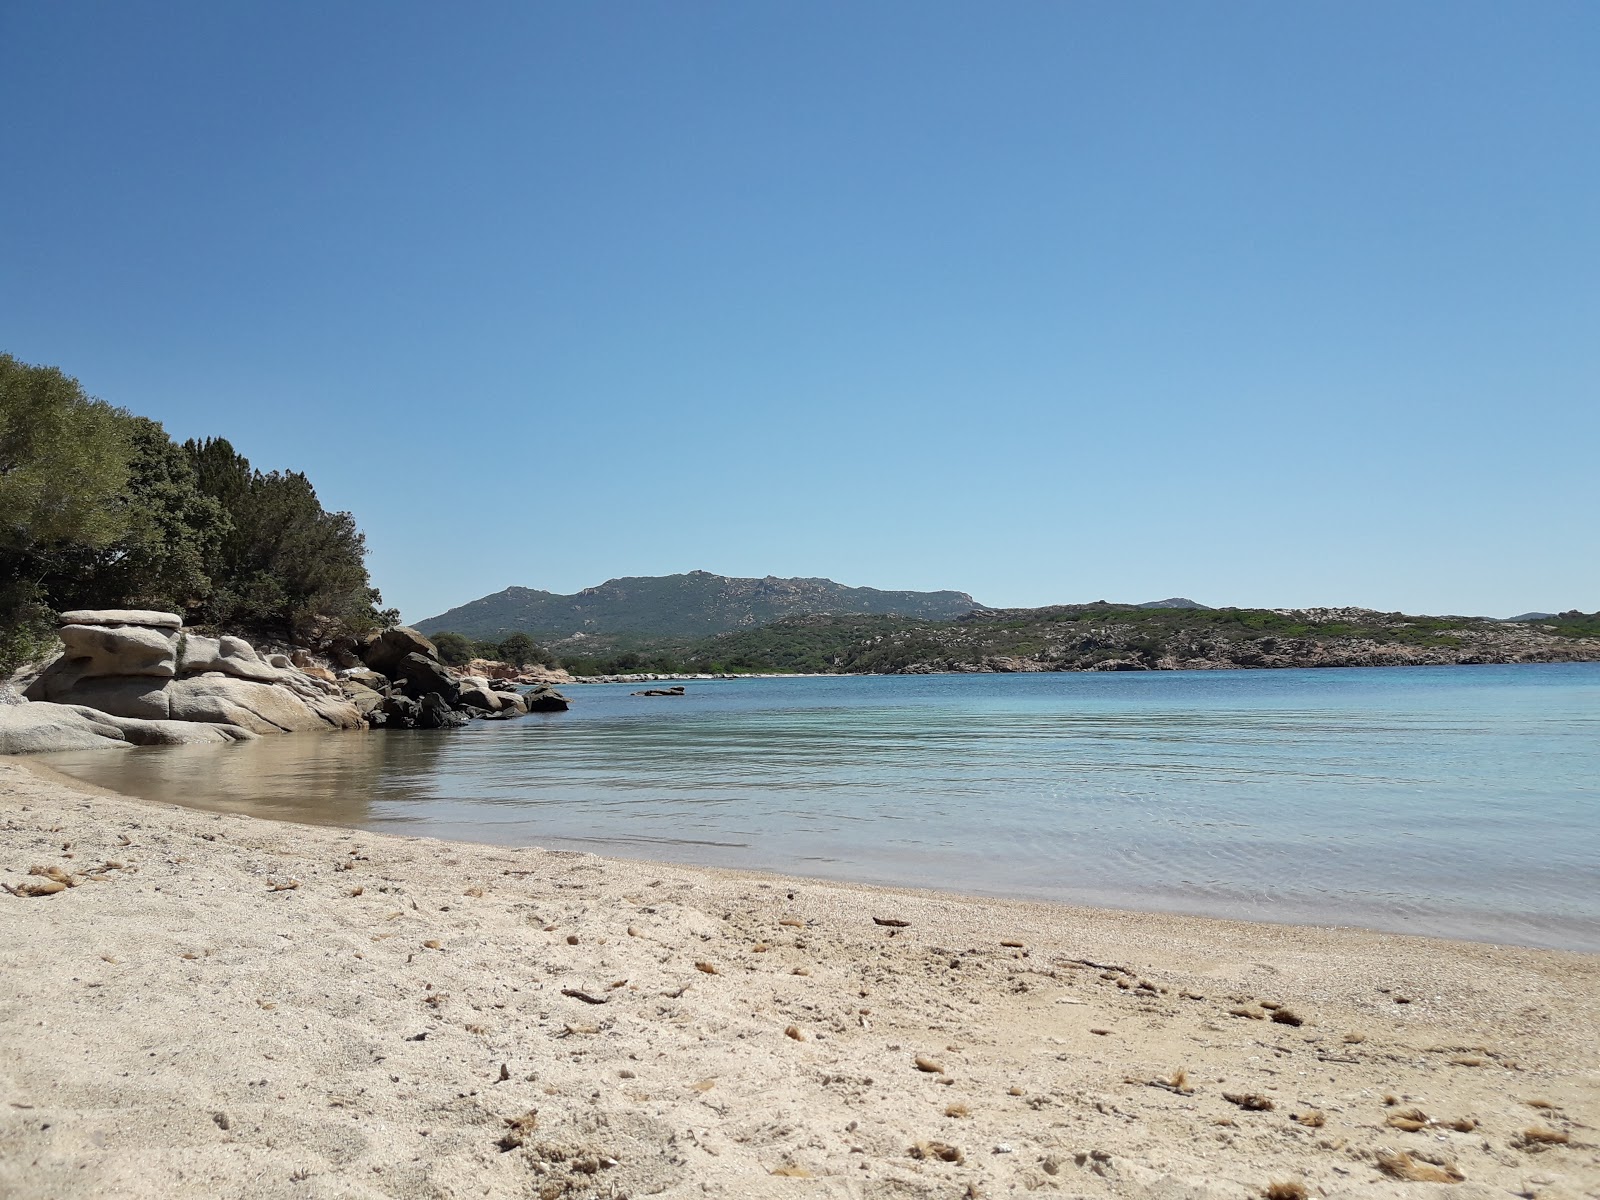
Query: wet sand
(226, 1006)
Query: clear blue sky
(1260, 303)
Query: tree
(169, 531)
(286, 566)
(100, 509)
(64, 459)
(518, 649)
(454, 648)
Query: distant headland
(702, 622)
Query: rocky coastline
(131, 677)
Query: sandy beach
(224, 1006)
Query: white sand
(178, 1028)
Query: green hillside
(681, 606)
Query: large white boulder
(93, 650)
(257, 707)
(39, 728)
(156, 673)
(146, 617)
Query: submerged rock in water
(434, 712)
(545, 698)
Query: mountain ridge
(693, 604)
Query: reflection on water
(1458, 801)
(322, 780)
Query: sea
(1451, 801)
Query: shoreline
(179, 1027)
(774, 876)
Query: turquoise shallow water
(1462, 801)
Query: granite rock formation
(132, 677)
(144, 666)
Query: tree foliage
(284, 564)
(518, 649)
(457, 649)
(101, 509)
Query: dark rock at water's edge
(545, 698)
(385, 651)
(671, 691)
(435, 712)
(418, 676)
(416, 690)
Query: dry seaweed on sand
(1313, 1118)
(1284, 1189)
(1536, 1137)
(36, 887)
(1249, 1101)
(1177, 1083)
(1411, 1120)
(937, 1152)
(1402, 1166)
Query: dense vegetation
(101, 509)
(1572, 624)
(457, 649)
(692, 605)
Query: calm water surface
(1462, 801)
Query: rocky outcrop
(385, 651)
(404, 685)
(491, 668)
(31, 728)
(122, 616)
(143, 667)
(420, 676)
(131, 677)
(545, 698)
